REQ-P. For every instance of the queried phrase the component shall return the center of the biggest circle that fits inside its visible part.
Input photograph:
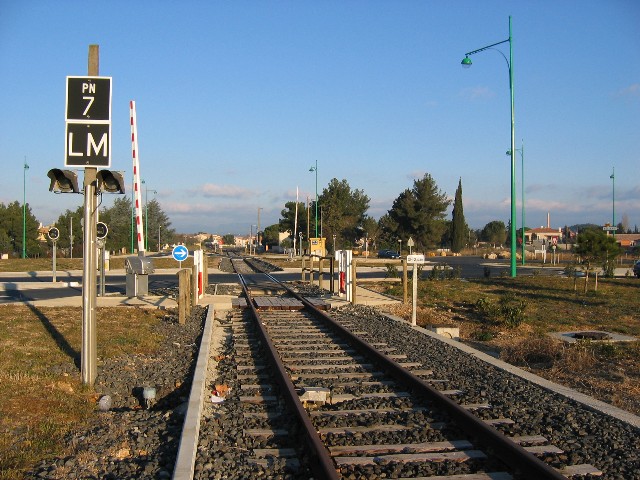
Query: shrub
(392, 271)
(508, 311)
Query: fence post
(405, 281)
(320, 273)
(184, 295)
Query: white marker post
(415, 260)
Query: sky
(236, 100)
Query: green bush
(392, 271)
(509, 310)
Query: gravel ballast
(129, 441)
(135, 438)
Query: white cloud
(477, 93)
(225, 191)
(632, 91)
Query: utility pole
(258, 226)
(88, 367)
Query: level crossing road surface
(34, 286)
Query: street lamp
(521, 150)
(613, 197)
(24, 208)
(315, 169)
(466, 63)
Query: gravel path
(130, 441)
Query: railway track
(309, 397)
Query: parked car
(388, 254)
(636, 268)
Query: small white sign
(415, 258)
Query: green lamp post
(613, 198)
(521, 150)
(315, 169)
(466, 63)
(24, 208)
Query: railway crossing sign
(180, 253)
(88, 122)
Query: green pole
(613, 182)
(316, 198)
(523, 224)
(315, 169)
(513, 158)
(24, 208)
(466, 62)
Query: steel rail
(322, 464)
(524, 463)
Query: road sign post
(180, 253)
(54, 234)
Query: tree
(159, 226)
(372, 231)
(418, 213)
(595, 247)
(229, 240)
(118, 219)
(271, 235)
(287, 222)
(458, 224)
(494, 232)
(70, 226)
(343, 211)
(11, 230)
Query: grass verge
(41, 396)
(511, 317)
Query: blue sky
(236, 100)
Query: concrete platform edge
(185, 461)
(567, 392)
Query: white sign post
(415, 260)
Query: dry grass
(41, 396)
(608, 371)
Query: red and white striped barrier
(137, 194)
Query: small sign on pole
(180, 253)
(54, 234)
(415, 260)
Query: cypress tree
(458, 225)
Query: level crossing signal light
(110, 181)
(63, 181)
(66, 181)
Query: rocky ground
(134, 437)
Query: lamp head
(466, 62)
(312, 169)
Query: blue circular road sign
(180, 253)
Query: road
(39, 285)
